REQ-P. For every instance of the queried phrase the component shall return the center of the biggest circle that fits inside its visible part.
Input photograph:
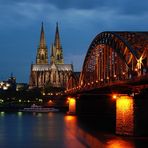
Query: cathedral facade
(54, 73)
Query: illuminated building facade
(53, 74)
(10, 84)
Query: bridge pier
(125, 115)
(72, 105)
(131, 115)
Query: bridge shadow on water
(95, 134)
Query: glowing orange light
(136, 69)
(124, 103)
(118, 143)
(114, 96)
(72, 101)
(72, 105)
(50, 102)
(69, 118)
(125, 115)
(68, 98)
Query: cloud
(63, 4)
(74, 13)
(19, 13)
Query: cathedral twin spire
(42, 52)
(42, 38)
(56, 55)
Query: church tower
(42, 52)
(56, 49)
(50, 75)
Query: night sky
(79, 22)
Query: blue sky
(79, 21)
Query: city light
(136, 69)
(7, 84)
(88, 83)
(114, 96)
(50, 102)
(5, 87)
(1, 100)
(40, 100)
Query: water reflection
(87, 139)
(19, 114)
(119, 143)
(2, 114)
(99, 139)
(71, 125)
(70, 133)
(56, 130)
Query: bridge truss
(115, 56)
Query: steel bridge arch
(129, 49)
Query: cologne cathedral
(54, 73)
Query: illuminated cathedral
(54, 73)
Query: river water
(56, 130)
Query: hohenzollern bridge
(113, 84)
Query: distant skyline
(79, 22)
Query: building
(54, 73)
(10, 84)
(21, 86)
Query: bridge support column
(72, 105)
(125, 115)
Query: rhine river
(57, 130)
